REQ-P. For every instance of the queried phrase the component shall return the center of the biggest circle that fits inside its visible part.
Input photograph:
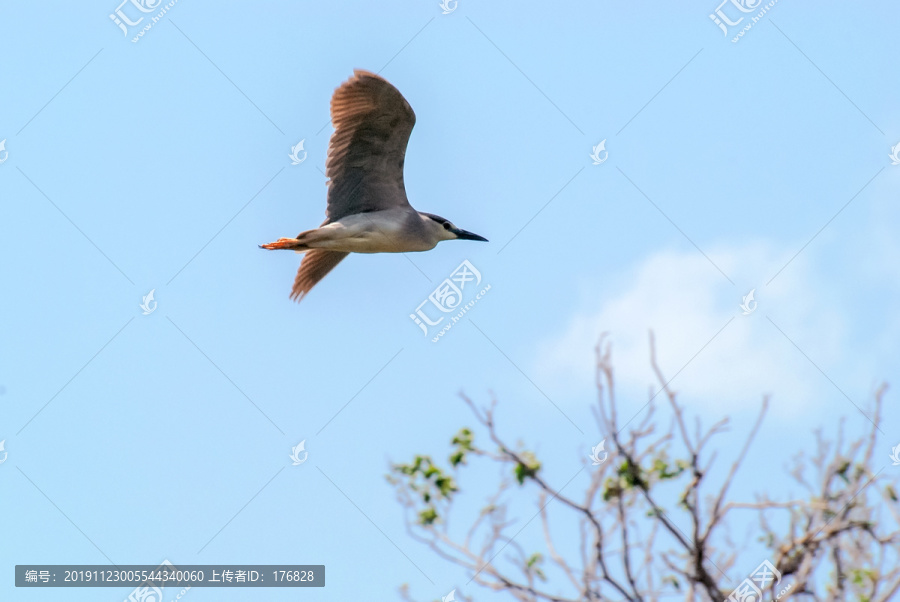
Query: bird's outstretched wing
(372, 122)
(315, 265)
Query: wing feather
(372, 123)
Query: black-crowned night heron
(367, 211)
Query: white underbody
(399, 230)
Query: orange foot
(281, 243)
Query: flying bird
(367, 211)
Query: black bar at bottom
(169, 575)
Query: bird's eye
(447, 226)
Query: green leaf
(533, 565)
(528, 467)
(673, 581)
(463, 440)
(428, 516)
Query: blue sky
(161, 164)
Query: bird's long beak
(466, 235)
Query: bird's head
(444, 229)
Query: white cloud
(685, 301)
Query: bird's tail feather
(315, 265)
